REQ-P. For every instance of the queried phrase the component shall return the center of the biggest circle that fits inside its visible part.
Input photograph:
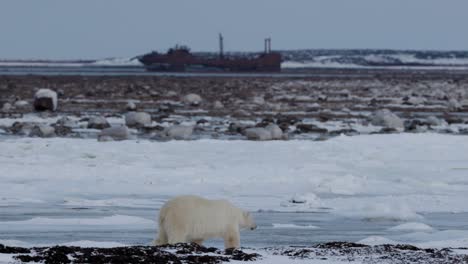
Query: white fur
(186, 219)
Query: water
(329, 226)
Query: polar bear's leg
(176, 236)
(232, 238)
(162, 238)
(198, 241)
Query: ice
(294, 226)
(392, 179)
(87, 243)
(436, 239)
(108, 222)
(117, 62)
(412, 226)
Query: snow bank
(438, 239)
(397, 177)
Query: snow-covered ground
(411, 188)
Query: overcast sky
(62, 29)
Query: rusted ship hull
(263, 63)
(179, 59)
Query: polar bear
(186, 219)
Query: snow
(397, 178)
(104, 221)
(392, 176)
(117, 62)
(412, 226)
(294, 226)
(424, 239)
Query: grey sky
(62, 29)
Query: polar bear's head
(247, 221)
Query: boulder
(218, 105)
(6, 107)
(237, 127)
(137, 119)
(42, 131)
(114, 133)
(192, 99)
(413, 100)
(131, 106)
(257, 133)
(178, 132)
(275, 131)
(309, 128)
(21, 128)
(98, 122)
(434, 121)
(454, 105)
(62, 131)
(259, 100)
(45, 99)
(21, 104)
(67, 122)
(386, 119)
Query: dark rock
(309, 128)
(62, 131)
(98, 122)
(347, 132)
(240, 255)
(13, 250)
(45, 100)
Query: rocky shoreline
(165, 107)
(193, 253)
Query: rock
(310, 128)
(45, 99)
(171, 94)
(275, 131)
(413, 100)
(257, 133)
(265, 122)
(21, 128)
(218, 105)
(137, 119)
(386, 119)
(21, 104)
(287, 119)
(6, 107)
(178, 132)
(114, 133)
(237, 127)
(131, 106)
(98, 122)
(434, 121)
(192, 99)
(62, 131)
(344, 131)
(259, 100)
(325, 115)
(67, 122)
(464, 103)
(241, 113)
(454, 105)
(322, 98)
(42, 131)
(416, 125)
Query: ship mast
(221, 46)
